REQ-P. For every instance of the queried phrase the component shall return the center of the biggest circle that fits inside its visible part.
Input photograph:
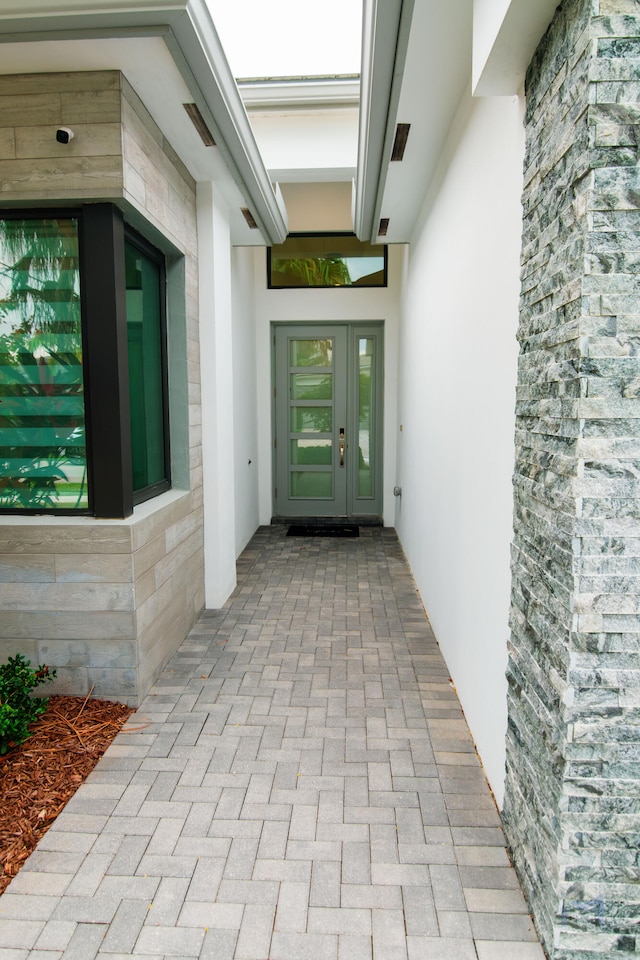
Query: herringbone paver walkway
(299, 784)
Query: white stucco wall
(216, 360)
(318, 207)
(347, 305)
(457, 375)
(294, 144)
(245, 430)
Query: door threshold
(329, 521)
(323, 530)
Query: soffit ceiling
(416, 69)
(430, 47)
(437, 73)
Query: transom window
(326, 260)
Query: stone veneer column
(572, 807)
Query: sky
(289, 38)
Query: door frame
(364, 509)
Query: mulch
(39, 776)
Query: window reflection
(365, 394)
(43, 459)
(326, 260)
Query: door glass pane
(311, 451)
(311, 353)
(144, 331)
(43, 459)
(365, 393)
(310, 484)
(307, 386)
(311, 419)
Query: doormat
(313, 530)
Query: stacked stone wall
(573, 748)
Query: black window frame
(102, 233)
(329, 286)
(136, 240)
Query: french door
(328, 420)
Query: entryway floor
(300, 784)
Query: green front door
(328, 417)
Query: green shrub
(17, 707)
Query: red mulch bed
(40, 775)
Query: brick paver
(299, 783)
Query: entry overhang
(421, 58)
(385, 39)
(187, 30)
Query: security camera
(64, 134)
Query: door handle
(341, 445)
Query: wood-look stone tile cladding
(572, 807)
(106, 602)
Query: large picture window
(43, 457)
(83, 383)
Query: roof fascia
(190, 35)
(385, 39)
(299, 93)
